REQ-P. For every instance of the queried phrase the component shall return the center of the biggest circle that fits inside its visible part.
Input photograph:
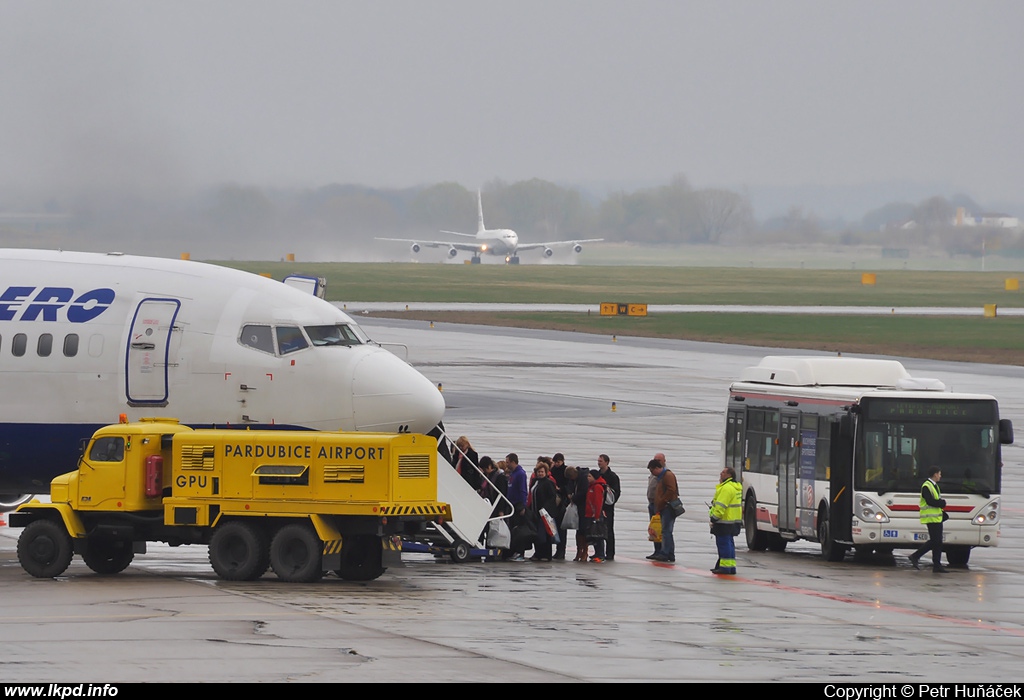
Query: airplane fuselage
(86, 337)
(498, 242)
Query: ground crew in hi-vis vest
(726, 520)
(932, 516)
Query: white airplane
(498, 241)
(85, 337)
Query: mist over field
(230, 129)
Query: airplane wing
(469, 247)
(557, 244)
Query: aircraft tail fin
(480, 212)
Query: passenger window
(258, 337)
(70, 345)
(45, 345)
(290, 339)
(19, 344)
(107, 449)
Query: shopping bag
(654, 528)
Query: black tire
(459, 552)
(757, 541)
(107, 557)
(296, 554)
(45, 549)
(776, 543)
(958, 556)
(830, 549)
(238, 551)
(361, 558)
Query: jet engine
(577, 248)
(548, 252)
(452, 252)
(415, 247)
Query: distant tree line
(240, 220)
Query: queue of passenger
(549, 506)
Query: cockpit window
(290, 339)
(340, 334)
(258, 337)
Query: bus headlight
(869, 512)
(989, 515)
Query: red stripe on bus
(949, 509)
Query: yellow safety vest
(727, 507)
(930, 514)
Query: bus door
(734, 442)
(809, 444)
(789, 471)
(146, 362)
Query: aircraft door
(146, 363)
(789, 452)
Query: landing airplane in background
(498, 241)
(85, 337)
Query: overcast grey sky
(177, 94)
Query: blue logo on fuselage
(50, 303)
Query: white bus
(835, 450)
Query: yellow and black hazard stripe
(332, 547)
(431, 509)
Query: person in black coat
(466, 461)
(543, 496)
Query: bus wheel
(958, 556)
(361, 558)
(295, 554)
(44, 549)
(757, 541)
(107, 557)
(776, 543)
(238, 551)
(830, 549)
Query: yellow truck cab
(300, 502)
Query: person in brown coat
(666, 491)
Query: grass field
(999, 340)
(652, 285)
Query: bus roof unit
(836, 371)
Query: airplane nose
(388, 396)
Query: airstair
(473, 531)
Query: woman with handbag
(594, 525)
(543, 506)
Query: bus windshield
(900, 440)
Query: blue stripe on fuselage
(32, 454)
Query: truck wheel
(107, 557)
(238, 551)
(45, 549)
(361, 558)
(296, 553)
